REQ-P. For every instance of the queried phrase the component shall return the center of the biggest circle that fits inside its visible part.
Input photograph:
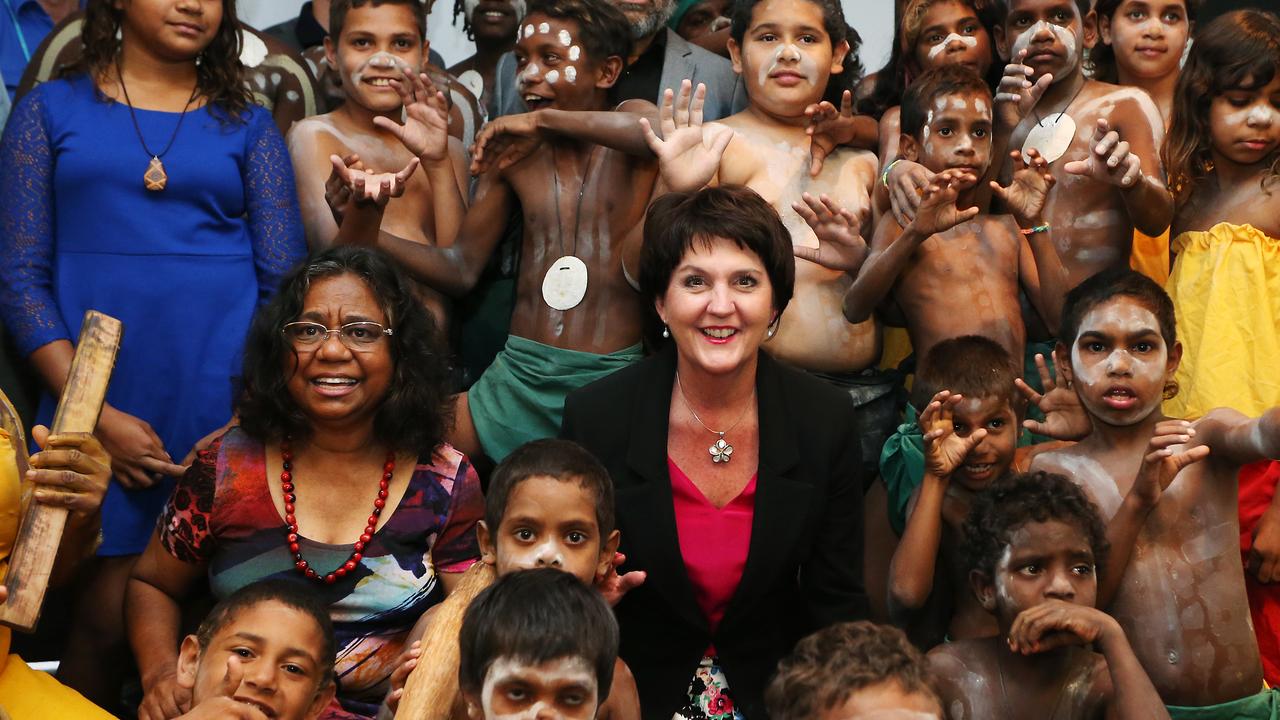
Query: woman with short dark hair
(737, 479)
(338, 477)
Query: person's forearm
(152, 618)
(53, 363)
(618, 130)
(360, 225)
(79, 541)
(447, 202)
(912, 569)
(1052, 293)
(1122, 533)
(877, 276)
(1150, 205)
(1134, 695)
(866, 133)
(449, 270)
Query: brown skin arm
(891, 248)
(311, 168)
(449, 206)
(1238, 439)
(624, 698)
(914, 565)
(158, 584)
(1129, 134)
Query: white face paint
(553, 77)
(528, 31)
(1262, 115)
(564, 37)
(1064, 36)
(571, 74)
(528, 75)
(794, 59)
(544, 28)
(967, 40)
(380, 61)
(556, 673)
(575, 52)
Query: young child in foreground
(267, 651)
(1182, 598)
(1035, 543)
(537, 643)
(853, 670)
(550, 504)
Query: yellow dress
(1225, 286)
(1150, 255)
(26, 694)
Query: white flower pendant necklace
(721, 451)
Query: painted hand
(840, 247)
(938, 211)
(1026, 194)
(828, 129)
(1163, 462)
(1109, 159)
(505, 141)
(1064, 416)
(1016, 96)
(688, 152)
(425, 131)
(944, 450)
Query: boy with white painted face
(537, 644)
(1182, 597)
(393, 132)
(1035, 543)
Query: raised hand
(828, 129)
(138, 457)
(944, 450)
(938, 211)
(840, 246)
(688, 152)
(1057, 623)
(72, 470)
(907, 182)
(370, 188)
(425, 131)
(337, 191)
(1064, 416)
(1162, 462)
(1109, 159)
(613, 586)
(1016, 95)
(1028, 190)
(505, 141)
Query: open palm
(1029, 190)
(840, 246)
(944, 450)
(688, 152)
(938, 211)
(425, 131)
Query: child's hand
(938, 211)
(162, 696)
(828, 129)
(944, 451)
(688, 152)
(1064, 416)
(407, 662)
(1026, 194)
(907, 181)
(1264, 552)
(1109, 159)
(1057, 623)
(505, 141)
(1162, 463)
(337, 191)
(72, 470)
(425, 131)
(840, 247)
(1016, 96)
(372, 189)
(613, 586)
(222, 705)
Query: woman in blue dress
(145, 184)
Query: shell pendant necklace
(155, 178)
(721, 451)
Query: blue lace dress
(184, 268)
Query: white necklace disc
(1051, 136)
(565, 283)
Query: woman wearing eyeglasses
(338, 477)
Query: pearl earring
(666, 331)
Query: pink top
(713, 541)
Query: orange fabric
(1150, 256)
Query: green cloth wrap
(1263, 706)
(902, 467)
(520, 397)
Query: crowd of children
(1038, 253)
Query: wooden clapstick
(40, 533)
(432, 687)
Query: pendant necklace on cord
(1052, 136)
(155, 178)
(721, 451)
(565, 283)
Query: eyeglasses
(358, 336)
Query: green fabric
(682, 7)
(1263, 706)
(1031, 375)
(521, 396)
(902, 467)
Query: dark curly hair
(1103, 56)
(417, 410)
(219, 74)
(602, 28)
(829, 666)
(1109, 284)
(837, 28)
(1021, 498)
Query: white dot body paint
(528, 30)
(806, 66)
(967, 41)
(571, 74)
(564, 37)
(553, 77)
(555, 672)
(544, 28)
(1064, 36)
(575, 52)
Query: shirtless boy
(1035, 542)
(576, 319)
(379, 48)
(1182, 598)
(954, 272)
(1102, 141)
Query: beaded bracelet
(884, 176)
(1034, 230)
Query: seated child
(537, 643)
(1035, 543)
(549, 504)
(379, 47)
(954, 272)
(1182, 598)
(266, 651)
(576, 318)
(853, 670)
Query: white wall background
(872, 18)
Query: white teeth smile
(719, 333)
(334, 381)
(978, 469)
(494, 15)
(380, 82)
(533, 98)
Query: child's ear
(474, 709)
(321, 701)
(908, 148)
(1062, 362)
(488, 549)
(610, 70)
(1002, 47)
(188, 662)
(984, 589)
(426, 53)
(735, 56)
(607, 550)
(1096, 28)
(838, 56)
(1175, 359)
(331, 51)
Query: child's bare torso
(964, 281)
(617, 191)
(1253, 203)
(1182, 601)
(1091, 225)
(979, 681)
(774, 161)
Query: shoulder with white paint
(308, 132)
(1128, 101)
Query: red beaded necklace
(291, 521)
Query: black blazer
(804, 565)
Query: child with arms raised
(1035, 543)
(550, 504)
(1182, 598)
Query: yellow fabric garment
(1225, 286)
(1150, 255)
